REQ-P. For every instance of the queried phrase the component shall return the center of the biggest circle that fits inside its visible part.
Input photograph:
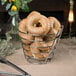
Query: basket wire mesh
(50, 52)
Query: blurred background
(57, 8)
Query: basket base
(36, 61)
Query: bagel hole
(54, 25)
(37, 24)
(45, 38)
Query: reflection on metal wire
(50, 52)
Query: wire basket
(49, 53)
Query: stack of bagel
(38, 34)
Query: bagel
(33, 13)
(45, 54)
(54, 30)
(22, 25)
(26, 47)
(56, 26)
(42, 48)
(36, 52)
(25, 37)
(27, 50)
(50, 36)
(38, 39)
(40, 43)
(43, 45)
(38, 24)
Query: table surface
(62, 64)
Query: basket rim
(56, 36)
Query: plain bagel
(36, 52)
(55, 24)
(25, 37)
(38, 24)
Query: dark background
(56, 8)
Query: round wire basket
(49, 52)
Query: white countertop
(62, 64)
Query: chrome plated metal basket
(48, 58)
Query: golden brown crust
(45, 30)
(35, 51)
(27, 50)
(23, 32)
(33, 13)
(22, 25)
(26, 47)
(28, 53)
(41, 23)
(55, 24)
(26, 38)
